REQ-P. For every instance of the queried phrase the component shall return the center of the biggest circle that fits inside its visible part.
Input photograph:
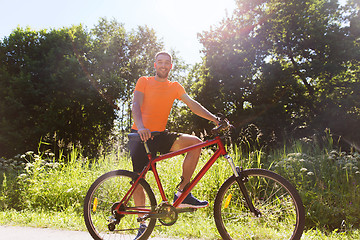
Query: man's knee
(184, 141)
(194, 140)
(190, 140)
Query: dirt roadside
(28, 233)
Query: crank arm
(151, 215)
(183, 210)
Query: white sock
(178, 194)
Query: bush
(328, 182)
(47, 184)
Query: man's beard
(162, 75)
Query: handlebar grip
(223, 125)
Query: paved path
(28, 233)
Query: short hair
(164, 53)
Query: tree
(277, 63)
(69, 85)
(47, 93)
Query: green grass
(49, 192)
(194, 225)
(68, 219)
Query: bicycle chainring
(168, 214)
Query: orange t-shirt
(158, 100)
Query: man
(152, 102)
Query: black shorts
(159, 144)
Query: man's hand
(144, 133)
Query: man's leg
(139, 197)
(139, 200)
(139, 160)
(191, 158)
(189, 165)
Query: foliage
(328, 182)
(49, 184)
(289, 67)
(64, 84)
(327, 179)
(44, 91)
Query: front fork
(235, 169)
(241, 179)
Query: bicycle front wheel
(280, 215)
(101, 199)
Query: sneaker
(191, 202)
(141, 230)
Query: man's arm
(198, 109)
(138, 99)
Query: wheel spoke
(281, 211)
(103, 197)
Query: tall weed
(327, 179)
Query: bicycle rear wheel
(282, 215)
(101, 199)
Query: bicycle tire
(282, 210)
(100, 198)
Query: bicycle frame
(247, 194)
(152, 164)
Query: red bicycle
(252, 198)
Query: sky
(176, 22)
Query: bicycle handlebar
(224, 125)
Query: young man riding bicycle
(151, 106)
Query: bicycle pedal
(143, 218)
